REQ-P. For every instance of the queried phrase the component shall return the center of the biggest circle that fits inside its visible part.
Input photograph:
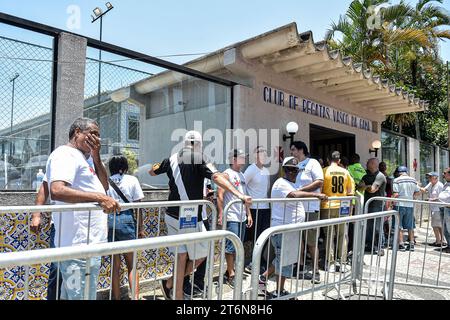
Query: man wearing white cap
(187, 171)
(286, 246)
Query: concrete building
(283, 76)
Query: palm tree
(401, 45)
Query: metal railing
(61, 209)
(433, 259)
(357, 264)
(8, 260)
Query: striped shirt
(405, 186)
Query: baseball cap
(290, 162)
(432, 174)
(402, 169)
(336, 155)
(193, 136)
(236, 153)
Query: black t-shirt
(194, 169)
(379, 179)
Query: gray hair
(82, 124)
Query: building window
(133, 127)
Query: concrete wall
(251, 111)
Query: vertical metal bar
(425, 250)
(88, 262)
(393, 259)
(112, 257)
(175, 276)
(59, 264)
(134, 276)
(27, 267)
(54, 92)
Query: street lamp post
(99, 15)
(13, 80)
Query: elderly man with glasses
(444, 196)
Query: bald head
(373, 165)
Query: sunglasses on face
(291, 170)
(447, 172)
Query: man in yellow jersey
(337, 183)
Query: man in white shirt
(257, 178)
(76, 174)
(434, 188)
(405, 187)
(444, 196)
(238, 216)
(287, 246)
(309, 179)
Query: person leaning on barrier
(238, 217)
(309, 179)
(123, 226)
(75, 174)
(444, 197)
(405, 187)
(434, 188)
(187, 171)
(257, 178)
(286, 252)
(373, 184)
(337, 183)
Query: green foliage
(132, 160)
(403, 48)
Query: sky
(169, 27)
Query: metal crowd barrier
(375, 271)
(8, 260)
(137, 206)
(353, 203)
(423, 266)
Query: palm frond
(407, 36)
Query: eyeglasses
(446, 172)
(288, 169)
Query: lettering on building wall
(280, 98)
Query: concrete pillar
(69, 85)
(414, 154)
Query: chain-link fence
(25, 104)
(119, 122)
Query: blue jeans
(123, 228)
(378, 224)
(53, 290)
(445, 213)
(238, 229)
(74, 274)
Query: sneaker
(380, 253)
(283, 293)
(229, 280)
(167, 293)
(334, 267)
(446, 250)
(262, 285)
(315, 279)
(248, 268)
(401, 248)
(193, 291)
(410, 247)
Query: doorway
(323, 141)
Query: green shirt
(357, 172)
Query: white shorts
(436, 219)
(195, 251)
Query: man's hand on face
(94, 143)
